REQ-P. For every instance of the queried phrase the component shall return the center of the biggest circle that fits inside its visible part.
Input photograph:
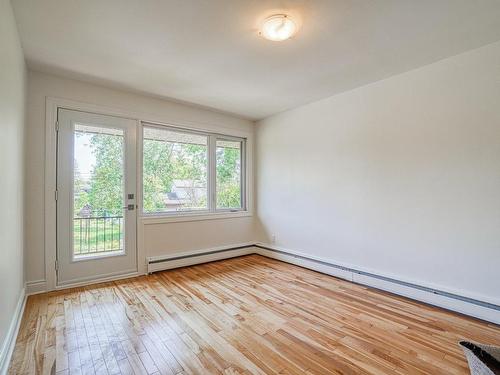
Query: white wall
(12, 108)
(159, 239)
(400, 177)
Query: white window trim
(212, 212)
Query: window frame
(212, 211)
(242, 141)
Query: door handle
(129, 207)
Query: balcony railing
(97, 235)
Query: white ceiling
(208, 52)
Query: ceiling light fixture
(278, 27)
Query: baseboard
(166, 262)
(36, 287)
(10, 339)
(464, 305)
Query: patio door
(96, 197)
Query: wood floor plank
(247, 315)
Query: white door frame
(51, 106)
(72, 270)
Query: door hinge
(56, 195)
(56, 265)
(57, 126)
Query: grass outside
(97, 235)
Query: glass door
(96, 209)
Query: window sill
(177, 218)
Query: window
(228, 176)
(98, 191)
(186, 171)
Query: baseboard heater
(161, 263)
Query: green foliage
(106, 185)
(228, 177)
(81, 195)
(158, 173)
(163, 163)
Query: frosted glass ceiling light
(278, 27)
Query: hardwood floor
(247, 315)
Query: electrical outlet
(273, 238)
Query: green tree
(158, 172)
(164, 162)
(81, 197)
(228, 177)
(106, 184)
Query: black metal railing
(96, 235)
